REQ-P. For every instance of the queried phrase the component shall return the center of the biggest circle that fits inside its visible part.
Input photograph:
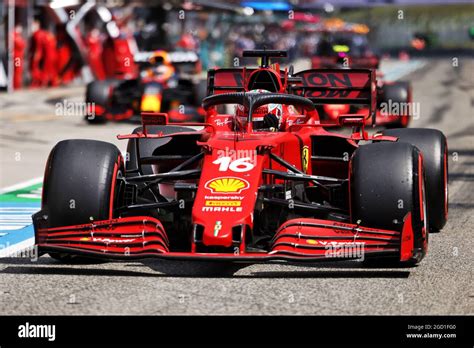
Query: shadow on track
(332, 274)
(76, 272)
(185, 269)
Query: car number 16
(239, 165)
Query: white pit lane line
(395, 70)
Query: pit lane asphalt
(441, 284)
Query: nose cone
(226, 195)
(222, 203)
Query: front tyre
(433, 145)
(387, 183)
(80, 183)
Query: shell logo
(227, 185)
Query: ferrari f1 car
(244, 188)
(345, 45)
(167, 82)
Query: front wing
(296, 240)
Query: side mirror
(351, 120)
(358, 126)
(153, 119)
(291, 70)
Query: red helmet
(260, 112)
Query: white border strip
(21, 185)
(17, 248)
(27, 243)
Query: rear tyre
(99, 93)
(398, 93)
(80, 183)
(387, 182)
(433, 145)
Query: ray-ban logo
(37, 331)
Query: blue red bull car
(243, 188)
(165, 82)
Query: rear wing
(227, 80)
(339, 86)
(183, 61)
(186, 62)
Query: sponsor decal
(342, 230)
(305, 158)
(226, 203)
(327, 79)
(223, 122)
(227, 185)
(238, 165)
(235, 198)
(223, 203)
(339, 244)
(222, 209)
(217, 228)
(107, 240)
(295, 121)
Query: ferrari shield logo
(217, 228)
(305, 158)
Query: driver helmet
(160, 57)
(260, 112)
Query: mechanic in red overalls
(44, 70)
(18, 57)
(94, 44)
(50, 66)
(118, 53)
(66, 62)
(37, 54)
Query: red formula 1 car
(345, 45)
(246, 189)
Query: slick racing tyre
(80, 182)
(387, 182)
(98, 93)
(397, 93)
(433, 145)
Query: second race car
(346, 45)
(166, 82)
